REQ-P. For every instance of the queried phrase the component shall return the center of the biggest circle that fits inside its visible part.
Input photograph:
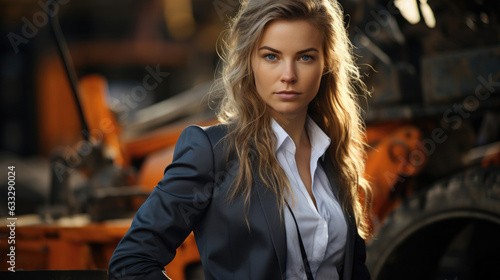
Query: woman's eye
(270, 56)
(306, 57)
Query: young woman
(277, 190)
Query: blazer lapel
(267, 200)
(349, 217)
(276, 226)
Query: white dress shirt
(323, 230)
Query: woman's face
(287, 65)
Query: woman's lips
(287, 94)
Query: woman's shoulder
(207, 139)
(214, 133)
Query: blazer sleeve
(171, 211)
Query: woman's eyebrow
(299, 52)
(269, 48)
(308, 50)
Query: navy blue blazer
(193, 196)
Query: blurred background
(143, 71)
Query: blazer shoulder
(215, 135)
(216, 132)
(213, 132)
(220, 147)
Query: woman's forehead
(291, 34)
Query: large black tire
(451, 231)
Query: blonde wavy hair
(335, 108)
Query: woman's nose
(289, 74)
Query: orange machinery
(90, 245)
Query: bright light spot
(484, 18)
(429, 18)
(470, 23)
(409, 10)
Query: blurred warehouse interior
(145, 69)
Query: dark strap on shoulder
(305, 260)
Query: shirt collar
(284, 141)
(319, 140)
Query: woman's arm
(169, 214)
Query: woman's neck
(295, 127)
